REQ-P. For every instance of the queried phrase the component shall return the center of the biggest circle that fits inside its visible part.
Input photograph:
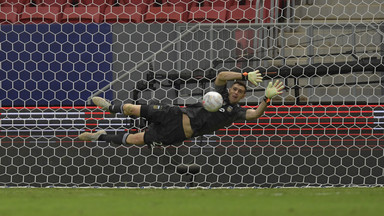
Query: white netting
(325, 129)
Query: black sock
(118, 108)
(118, 139)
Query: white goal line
(62, 119)
(51, 113)
(60, 130)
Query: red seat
(84, 11)
(209, 11)
(9, 14)
(10, 10)
(168, 11)
(126, 11)
(40, 15)
(43, 11)
(242, 12)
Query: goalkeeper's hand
(255, 77)
(274, 89)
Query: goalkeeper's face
(236, 93)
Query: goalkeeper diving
(171, 125)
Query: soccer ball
(212, 101)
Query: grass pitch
(194, 202)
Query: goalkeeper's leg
(126, 109)
(87, 136)
(118, 139)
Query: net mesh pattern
(325, 129)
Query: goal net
(326, 129)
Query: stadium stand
(243, 11)
(168, 11)
(84, 11)
(10, 10)
(126, 11)
(43, 11)
(209, 11)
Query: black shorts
(165, 125)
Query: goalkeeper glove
(254, 77)
(274, 89)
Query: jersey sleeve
(241, 114)
(222, 90)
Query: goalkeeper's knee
(128, 109)
(118, 139)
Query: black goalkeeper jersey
(204, 122)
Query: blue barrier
(54, 64)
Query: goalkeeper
(172, 124)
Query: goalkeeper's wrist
(267, 100)
(244, 76)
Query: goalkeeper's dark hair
(240, 83)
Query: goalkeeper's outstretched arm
(272, 90)
(224, 76)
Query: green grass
(196, 202)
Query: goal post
(326, 129)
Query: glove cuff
(267, 100)
(244, 76)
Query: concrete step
(302, 60)
(343, 78)
(337, 21)
(363, 11)
(324, 59)
(343, 2)
(330, 36)
(327, 50)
